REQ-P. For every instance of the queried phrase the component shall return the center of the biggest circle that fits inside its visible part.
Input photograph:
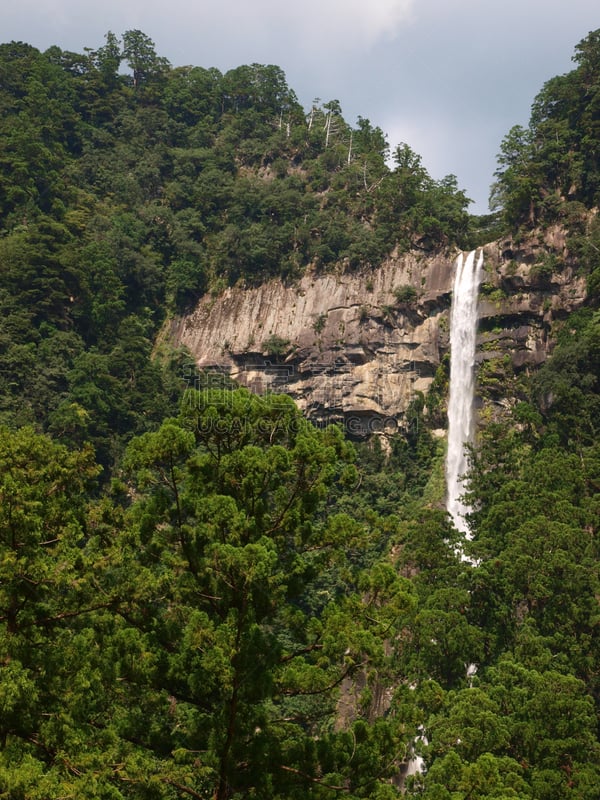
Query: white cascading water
(463, 332)
(463, 335)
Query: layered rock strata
(357, 347)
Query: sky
(448, 77)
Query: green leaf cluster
(549, 170)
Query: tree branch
(310, 778)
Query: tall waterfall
(463, 331)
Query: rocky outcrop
(528, 290)
(345, 346)
(358, 346)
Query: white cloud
(325, 19)
(336, 21)
(317, 33)
(323, 29)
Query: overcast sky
(449, 77)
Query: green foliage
(514, 737)
(276, 345)
(567, 387)
(319, 323)
(405, 294)
(230, 606)
(227, 541)
(139, 53)
(551, 166)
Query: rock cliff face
(358, 347)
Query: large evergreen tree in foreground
(192, 639)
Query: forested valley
(204, 595)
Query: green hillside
(202, 595)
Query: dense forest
(201, 593)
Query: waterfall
(463, 332)
(463, 335)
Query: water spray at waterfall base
(463, 333)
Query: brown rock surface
(348, 345)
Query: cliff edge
(358, 347)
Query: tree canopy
(550, 169)
(202, 594)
